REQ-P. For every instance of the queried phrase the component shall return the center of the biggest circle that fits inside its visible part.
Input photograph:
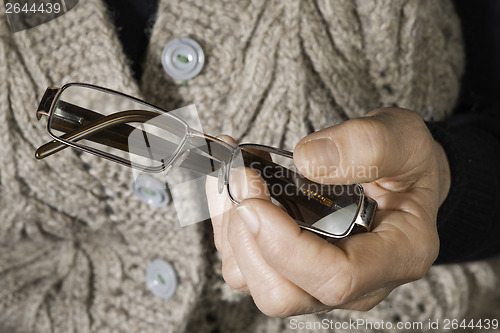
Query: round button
(161, 280)
(151, 190)
(183, 58)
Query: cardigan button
(183, 58)
(151, 191)
(161, 279)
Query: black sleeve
(469, 221)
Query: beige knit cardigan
(75, 241)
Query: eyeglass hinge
(46, 102)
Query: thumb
(385, 143)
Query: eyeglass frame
(365, 208)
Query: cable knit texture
(75, 242)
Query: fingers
(290, 271)
(365, 149)
(245, 183)
(219, 206)
(273, 294)
(218, 203)
(357, 272)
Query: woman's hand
(290, 271)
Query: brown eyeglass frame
(216, 152)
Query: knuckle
(372, 133)
(417, 270)
(430, 246)
(275, 302)
(424, 259)
(276, 251)
(421, 252)
(233, 277)
(392, 133)
(337, 290)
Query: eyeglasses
(129, 131)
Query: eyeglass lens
(330, 208)
(115, 125)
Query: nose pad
(177, 162)
(221, 177)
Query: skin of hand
(289, 271)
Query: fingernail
(238, 183)
(318, 157)
(250, 218)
